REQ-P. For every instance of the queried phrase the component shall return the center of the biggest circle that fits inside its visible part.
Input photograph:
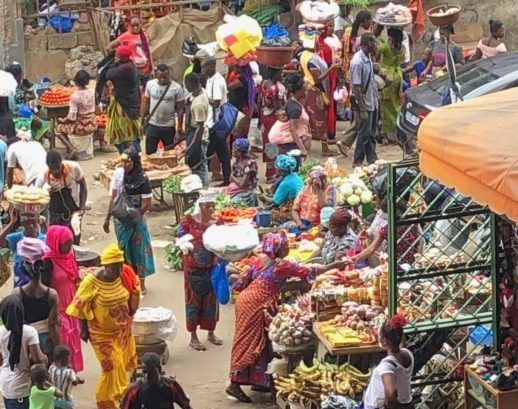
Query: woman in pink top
(137, 40)
(64, 277)
(81, 115)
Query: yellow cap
(112, 254)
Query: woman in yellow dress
(105, 303)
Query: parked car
(478, 78)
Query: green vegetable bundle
(173, 255)
(173, 184)
(306, 167)
(357, 4)
(223, 200)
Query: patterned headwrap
(274, 244)
(286, 162)
(242, 144)
(316, 172)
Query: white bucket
(84, 145)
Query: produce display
(173, 184)
(352, 190)
(393, 15)
(58, 97)
(316, 382)
(358, 325)
(101, 120)
(234, 214)
(446, 11)
(146, 164)
(27, 195)
(223, 200)
(292, 324)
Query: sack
(226, 121)
(125, 211)
(220, 284)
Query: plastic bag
(239, 36)
(276, 36)
(159, 322)
(62, 24)
(220, 284)
(189, 47)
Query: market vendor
(438, 60)
(389, 386)
(340, 240)
(81, 115)
(243, 178)
(317, 193)
(259, 286)
(30, 157)
(201, 304)
(68, 192)
(287, 189)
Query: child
(63, 377)
(418, 67)
(280, 132)
(42, 391)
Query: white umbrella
(7, 84)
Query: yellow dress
(105, 306)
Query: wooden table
(344, 351)
(51, 114)
(491, 397)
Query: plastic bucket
(274, 56)
(84, 145)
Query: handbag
(125, 210)
(146, 119)
(226, 122)
(220, 284)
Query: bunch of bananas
(315, 383)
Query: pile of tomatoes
(233, 214)
(58, 97)
(101, 119)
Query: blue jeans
(16, 403)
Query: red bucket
(274, 56)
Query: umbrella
(7, 84)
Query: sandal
(239, 395)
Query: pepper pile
(233, 214)
(58, 97)
(101, 120)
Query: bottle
(160, 150)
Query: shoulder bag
(146, 119)
(125, 210)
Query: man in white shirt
(343, 20)
(216, 89)
(162, 109)
(30, 157)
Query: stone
(83, 58)
(62, 41)
(85, 38)
(36, 42)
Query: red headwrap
(398, 321)
(123, 51)
(56, 236)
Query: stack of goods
(380, 287)
(357, 325)
(239, 37)
(59, 97)
(233, 214)
(291, 327)
(334, 288)
(147, 166)
(317, 382)
(318, 12)
(22, 196)
(352, 190)
(434, 257)
(393, 15)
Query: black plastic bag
(189, 47)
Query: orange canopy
(472, 146)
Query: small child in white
(63, 377)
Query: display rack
(479, 393)
(440, 243)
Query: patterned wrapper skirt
(317, 112)
(120, 127)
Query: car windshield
(470, 78)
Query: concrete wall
(46, 53)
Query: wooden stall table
(51, 114)
(182, 202)
(478, 393)
(344, 354)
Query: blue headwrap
(242, 144)
(286, 162)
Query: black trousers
(366, 139)
(220, 148)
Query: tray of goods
(435, 258)
(393, 15)
(28, 199)
(234, 214)
(147, 165)
(309, 385)
(361, 318)
(101, 120)
(444, 15)
(56, 98)
(291, 327)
